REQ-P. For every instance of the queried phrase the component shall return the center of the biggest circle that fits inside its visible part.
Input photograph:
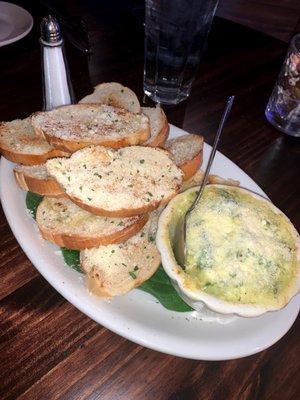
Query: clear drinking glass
(175, 35)
(283, 108)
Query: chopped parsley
(142, 161)
(132, 274)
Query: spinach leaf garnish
(160, 286)
(32, 202)
(71, 258)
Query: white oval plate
(137, 316)
(15, 23)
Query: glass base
(162, 95)
(282, 126)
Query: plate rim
(14, 39)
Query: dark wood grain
(49, 349)
(277, 18)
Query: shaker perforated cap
(50, 30)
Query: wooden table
(49, 349)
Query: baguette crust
(32, 159)
(187, 153)
(76, 242)
(71, 147)
(102, 126)
(190, 167)
(160, 139)
(124, 212)
(78, 239)
(158, 124)
(44, 186)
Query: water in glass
(175, 35)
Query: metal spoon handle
(214, 149)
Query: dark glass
(283, 108)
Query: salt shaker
(57, 87)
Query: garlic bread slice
(62, 222)
(20, 144)
(116, 269)
(216, 179)
(36, 179)
(114, 94)
(124, 182)
(74, 127)
(159, 127)
(187, 153)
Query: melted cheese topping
(239, 249)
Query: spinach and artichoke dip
(239, 249)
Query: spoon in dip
(180, 251)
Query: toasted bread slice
(195, 180)
(63, 223)
(114, 94)
(116, 269)
(74, 127)
(118, 183)
(20, 144)
(153, 221)
(222, 181)
(36, 179)
(187, 153)
(159, 127)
